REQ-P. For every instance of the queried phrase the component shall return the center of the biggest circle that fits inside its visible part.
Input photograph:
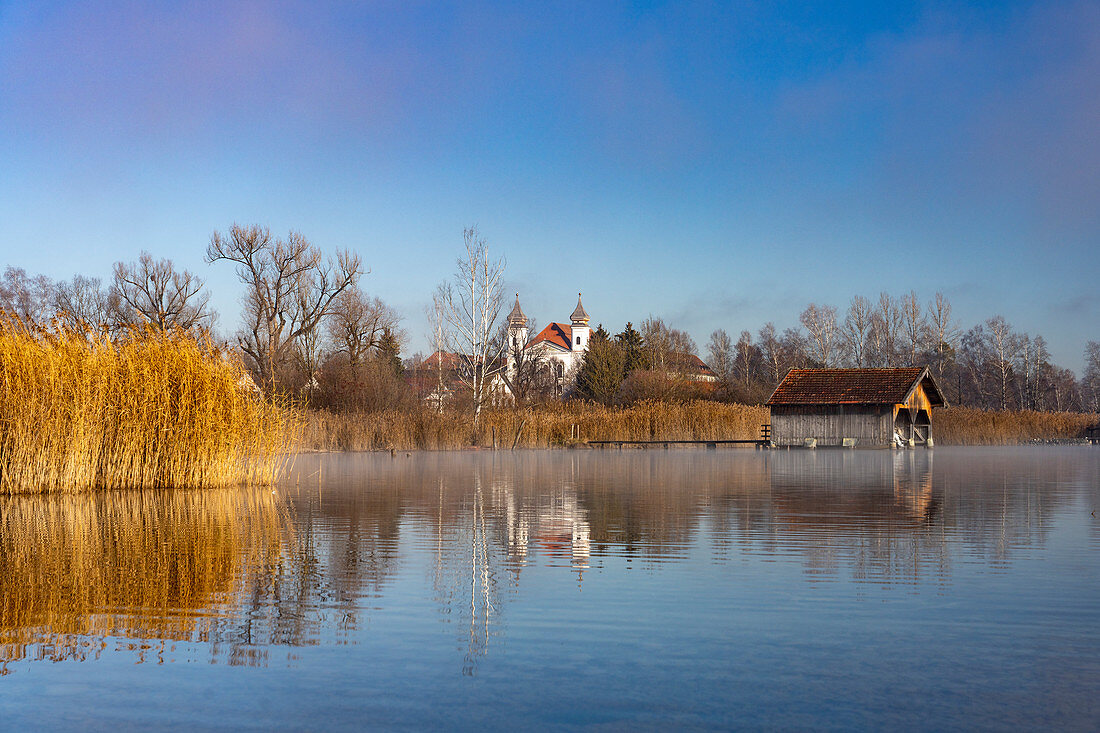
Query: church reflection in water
(246, 576)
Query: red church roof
(558, 334)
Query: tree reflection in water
(237, 575)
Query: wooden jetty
(764, 441)
(666, 444)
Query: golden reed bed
(145, 409)
(551, 425)
(568, 423)
(968, 426)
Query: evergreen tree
(632, 345)
(389, 351)
(601, 372)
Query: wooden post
(494, 437)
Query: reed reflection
(140, 571)
(238, 575)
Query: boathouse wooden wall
(870, 425)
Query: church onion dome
(579, 317)
(516, 317)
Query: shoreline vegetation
(572, 423)
(146, 408)
(156, 408)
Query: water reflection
(235, 576)
(145, 567)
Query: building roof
(691, 364)
(854, 387)
(444, 359)
(556, 334)
(516, 317)
(579, 316)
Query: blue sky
(715, 164)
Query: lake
(954, 588)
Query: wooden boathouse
(855, 407)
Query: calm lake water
(953, 588)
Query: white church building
(561, 346)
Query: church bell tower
(517, 333)
(581, 330)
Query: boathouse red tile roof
(558, 334)
(853, 386)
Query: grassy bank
(966, 426)
(542, 427)
(148, 409)
(563, 424)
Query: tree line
(310, 332)
(991, 365)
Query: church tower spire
(581, 330)
(517, 334)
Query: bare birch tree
(945, 333)
(857, 330)
(439, 326)
(820, 323)
(914, 325)
(155, 292)
(720, 355)
(25, 297)
(772, 349)
(1090, 381)
(290, 287)
(1003, 344)
(885, 331)
(470, 307)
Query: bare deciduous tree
(747, 360)
(356, 322)
(885, 331)
(945, 333)
(914, 326)
(84, 300)
(665, 347)
(1090, 380)
(1003, 344)
(470, 307)
(290, 287)
(25, 297)
(155, 292)
(532, 377)
(720, 355)
(772, 349)
(820, 323)
(857, 330)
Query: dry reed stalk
(967, 426)
(544, 426)
(148, 409)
